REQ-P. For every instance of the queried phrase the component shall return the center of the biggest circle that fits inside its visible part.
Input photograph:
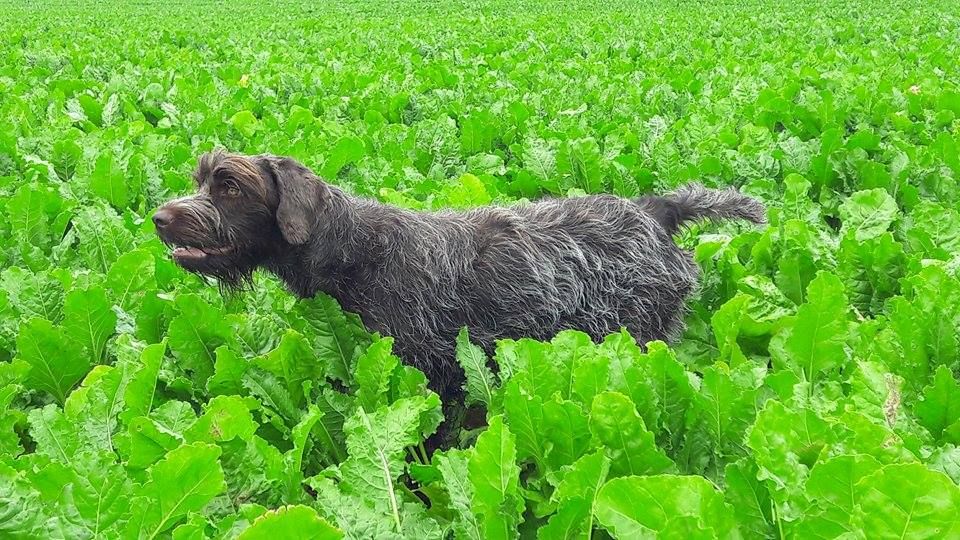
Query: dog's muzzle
(168, 222)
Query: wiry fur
(596, 263)
(693, 202)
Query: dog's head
(245, 211)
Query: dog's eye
(231, 189)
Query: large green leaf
(453, 466)
(582, 162)
(89, 320)
(575, 498)
(22, 513)
(150, 438)
(102, 235)
(933, 229)
(539, 159)
(785, 443)
(627, 376)
(524, 415)
(494, 475)
(648, 506)
(245, 122)
(749, 498)
(141, 391)
(293, 361)
(375, 445)
(10, 445)
(815, 342)
(184, 481)
(97, 403)
(345, 151)
(55, 435)
(724, 408)
(940, 406)
(374, 372)
(293, 458)
(337, 339)
(108, 181)
(871, 270)
(832, 488)
(935, 295)
(195, 333)
(33, 294)
(56, 362)
(672, 386)
(32, 210)
(907, 501)
(479, 385)
(130, 277)
(567, 432)
(96, 501)
(224, 418)
(228, 371)
(867, 214)
(477, 132)
(615, 423)
(293, 522)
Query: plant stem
(423, 453)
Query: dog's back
(597, 263)
(672, 211)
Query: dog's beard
(232, 276)
(235, 282)
(228, 264)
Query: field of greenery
(814, 394)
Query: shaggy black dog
(596, 263)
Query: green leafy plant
(813, 394)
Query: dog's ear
(301, 195)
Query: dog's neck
(339, 252)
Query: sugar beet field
(814, 392)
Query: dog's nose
(162, 218)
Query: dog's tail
(694, 202)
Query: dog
(596, 263)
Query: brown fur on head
(245, 210)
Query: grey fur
(597, 263)
(694, 202)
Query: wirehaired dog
(597, 263)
